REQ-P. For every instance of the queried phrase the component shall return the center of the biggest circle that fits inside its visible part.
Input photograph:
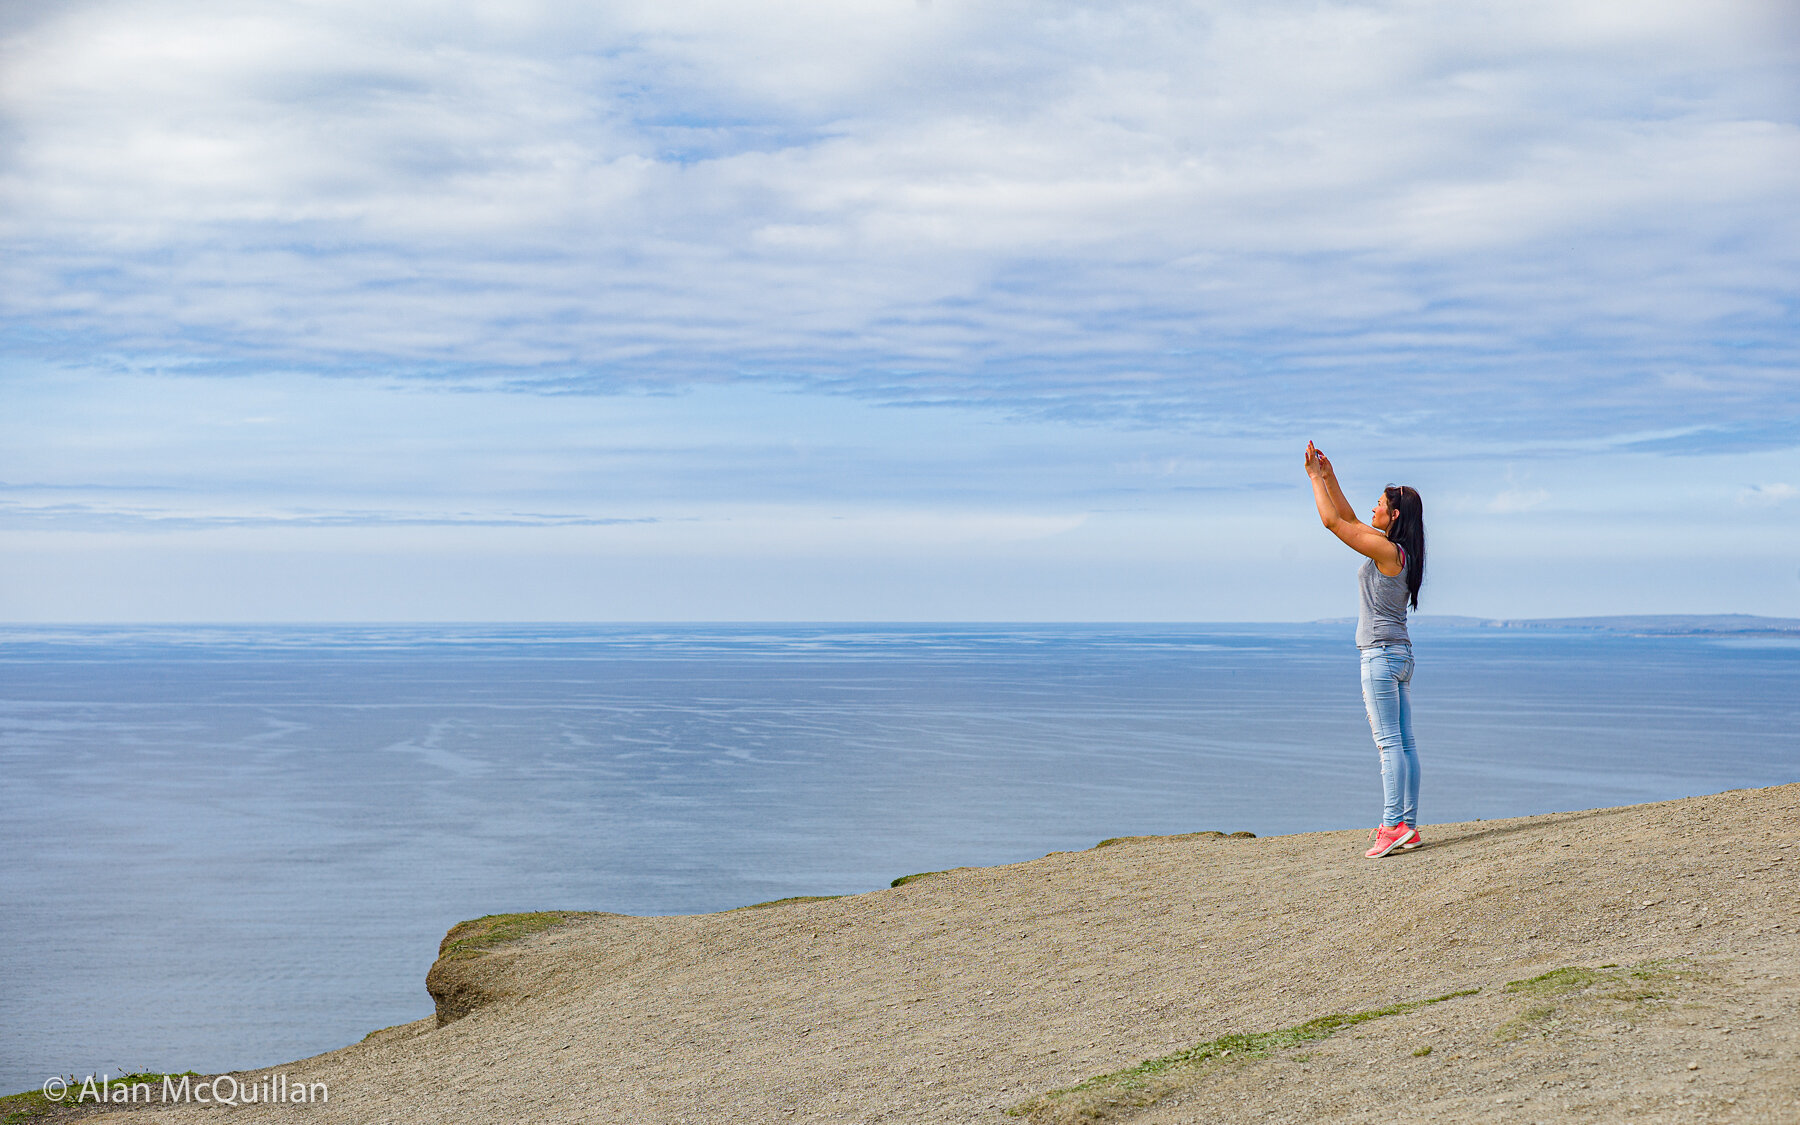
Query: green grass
(788, 901)
(1557, 994)
(1149, 1081)
(479, 935)
(1556, 982)
(16, 1109)
(905, 879)
(1210, 834)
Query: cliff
(1631, 963)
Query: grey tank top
(1381, 613)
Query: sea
(229, 847)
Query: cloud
(102, 517)
(1512, 501)
(1768, 495)
(1703, 440)
(1509, 217)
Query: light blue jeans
(1386, 672)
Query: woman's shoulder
(1398, 574)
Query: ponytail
(1408, 530)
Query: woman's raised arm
(1340, 519)
(1334, 493)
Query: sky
(900, 310)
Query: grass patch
(1561, 994)
(478, 935)
(15, 1109)
(905, 879)
(1110, 841)
(1105, 1095)
(1539, 1017)
(1211, 834)
(1556, 982)
(788, 901)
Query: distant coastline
(1640, 624)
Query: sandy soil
(955, 998)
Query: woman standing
(1394, 541)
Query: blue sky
(897, 310)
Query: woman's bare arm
(1336, 491)
(1340, 519)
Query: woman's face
(1382, 517)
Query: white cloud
(1768, 495)
(1512, 501)
(1505, 214)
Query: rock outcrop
(477, 959)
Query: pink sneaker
(1415, 841)
(1387, 838)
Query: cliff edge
(1637, 963)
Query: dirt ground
(959, 997)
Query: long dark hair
(1408, 530)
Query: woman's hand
(1317, 464)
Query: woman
(1394, 541)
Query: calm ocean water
(230, 847)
